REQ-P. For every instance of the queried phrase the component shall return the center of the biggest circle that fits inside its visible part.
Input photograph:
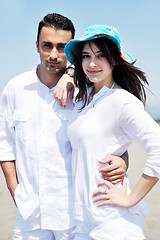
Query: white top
(107, 125)
(33, 130)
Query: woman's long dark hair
(124, 74)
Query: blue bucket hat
(97, 31)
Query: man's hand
(64, 87)
(116, 169)
(10, 174)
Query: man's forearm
(125, 157)
(9, 170)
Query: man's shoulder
(20, 81)
(23, 77)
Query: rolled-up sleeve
(136, 123)
(7, 139)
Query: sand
(137, 156)
(152, 221)
(8, 211)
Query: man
(33, 131)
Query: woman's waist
(93, 214)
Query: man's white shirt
(33, 132)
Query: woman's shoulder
(122, 96)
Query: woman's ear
(115, 63)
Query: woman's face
(96, 66)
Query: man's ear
(37, 46)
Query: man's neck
(50, 80)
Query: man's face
(51, 49)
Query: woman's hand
(112, 195)
(64, 87)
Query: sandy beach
(137, 156)
(152, 221)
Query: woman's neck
(97, 87)
(96, 90)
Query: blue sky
(138, 22)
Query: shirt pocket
(22, 124)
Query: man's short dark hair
(57, 21)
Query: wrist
(132, 201)
(70, 71)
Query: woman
(108, 115)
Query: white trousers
(127, 227)
(40, 234)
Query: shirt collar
(35, 79)
(104, 91)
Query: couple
(37, 132)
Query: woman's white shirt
(107, 125)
